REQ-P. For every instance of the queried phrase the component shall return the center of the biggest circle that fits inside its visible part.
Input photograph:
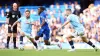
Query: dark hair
(27, 11)
(68, 9)
(42, 8)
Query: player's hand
(7, 22)
(58, 29)
(9, 25)
(38, 28)
(11, 28)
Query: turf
(84, 52)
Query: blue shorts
(44, 32)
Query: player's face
(68, 12)
(39, 10)
(27, 14)
(15, 6)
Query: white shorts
(78, 33)
(75, 34)
(28, 35)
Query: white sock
(38, 43)
(55, 43)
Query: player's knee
(22, 34)
(37, 38)
(69, 39)
(14, 35)
(84, 39)
(9, 34)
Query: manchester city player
(79, 30)
(26, 27)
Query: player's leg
(33, 41)
(69, 36)
(29, 36)
(8, 40)
(46, 39)
(81, 34)
(39, 34)
(14, 40)
(8, 36)
(71, 42)
(14, 36)
(54, 40)
(21, 39)
(89, 43)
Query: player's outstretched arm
(32, 23)
(64, 24)
(14, 24)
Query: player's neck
(27, 17)
(14, 9)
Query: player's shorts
(44, 32)
(14, 29)
(28, 35)
(78, 33)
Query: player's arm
(64, 24)
(19, 14)
(18, 21)
(15, 23)
(32, 23)
(7, 18)
(43, 22)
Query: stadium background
(55, 12)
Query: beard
(39, 12)
(28, 17)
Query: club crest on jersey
(13, 16)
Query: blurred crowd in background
(56, 16)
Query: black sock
(21, 39)
(71, 44)
(8, 39)
(14, 41)
(35, 44)
(91, 44)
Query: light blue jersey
(27, 28)
(74, 20)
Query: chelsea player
(44, 30)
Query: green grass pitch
(79, 52)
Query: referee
(12, 16)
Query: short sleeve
(19, 20)
(9, 14)
(19, 14)
(32, 20)
(43, 15)
(69, 18)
